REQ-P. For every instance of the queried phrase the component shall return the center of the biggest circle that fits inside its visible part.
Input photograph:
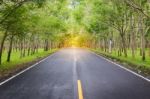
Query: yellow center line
(80, 93)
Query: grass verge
(136, 64)
(17, 64)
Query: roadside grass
(134, 63)
(16, 60)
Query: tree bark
(21, 49)
(132, 37)
(124, 44)
(143, 45)
(24, 48)
(46, 45)
(2, 45)
(142, 32)
(10, 48)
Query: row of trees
(111, 25)
(122, 26)
(27, 25)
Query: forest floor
(136, 64)
(17, 64)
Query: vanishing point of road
(75, 73)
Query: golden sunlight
(74, 42)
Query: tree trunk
(141, 30)
(110, 46)
(21, 49)
(143, 45)
(105, 44)
(24, 48)
(46, 45)
(132, 37)
(10, 48)
(149, 48)
(28, 51)
(2, 45)
(124, 44)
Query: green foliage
(28, 21)
(108, 24)
(17, 61)
(136, 63)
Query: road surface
(75, 73)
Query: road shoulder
(124, 65)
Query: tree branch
(137, 7)
(18, 5)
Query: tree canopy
(111, 25)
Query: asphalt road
(74, 72)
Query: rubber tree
(9, 8)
